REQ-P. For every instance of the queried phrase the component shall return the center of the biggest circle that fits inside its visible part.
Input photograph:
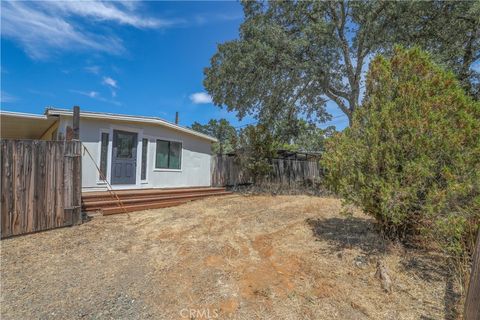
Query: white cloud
(112, 84)
(202, 19)
(200, 97)
(95, 95)
(41, 93)
(6, 97)
(109, 82)
(91, 94)
(46, 27)
(93, 69)
(107, 11)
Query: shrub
(411, 157)
(256, 147)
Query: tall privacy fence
(227, 171)
(41, 185)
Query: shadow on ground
(348, 233)
(358, 233)
(432, 268)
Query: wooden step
(143, 199)
(147, 192)
(91, 205)
(114, 197)
(140, 207)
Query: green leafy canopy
(222, 130)
(294, 56)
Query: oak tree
(291, 57)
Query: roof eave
(23, 115)
(110, 116)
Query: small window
(168, 155)
(144, 158)
(103, 156)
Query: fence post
(76, 122)
(472, 300)
(76, 152)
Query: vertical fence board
(7, 188)
(49, 193)
(42, 214)
(77, 180)
(35, 179)
(58, 182)
(38, 196)
(18, 197)
(29, 187)
(67, 186)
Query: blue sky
(144, 58)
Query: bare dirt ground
(238, 257)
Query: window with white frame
(168, 155)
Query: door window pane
(124, 145)
(144, 158)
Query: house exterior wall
(196, 155)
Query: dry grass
(265, 257)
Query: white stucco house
(128, 152)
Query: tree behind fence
(41, 185)
(227, 171)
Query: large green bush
(411, 158)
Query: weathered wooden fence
(227, 171)
(40, 185)
(285, 171)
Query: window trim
(99, 160)
(103, 155)
(155, 156)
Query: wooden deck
(122, 201)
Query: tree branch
(340, 103)
(337, 92)
(340, 27)
(362, 52)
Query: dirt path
(283, 257)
